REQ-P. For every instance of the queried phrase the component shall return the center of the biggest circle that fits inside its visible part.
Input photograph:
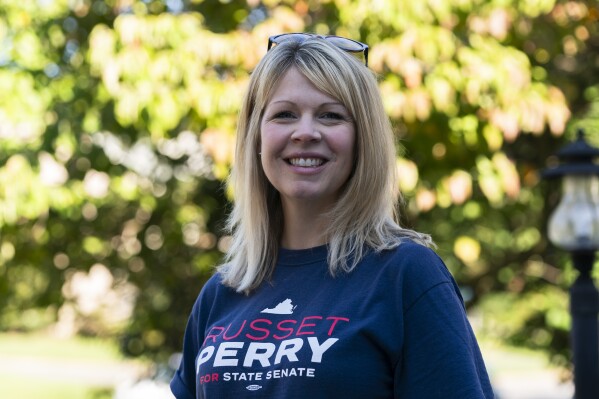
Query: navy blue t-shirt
(395, 327)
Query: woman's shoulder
(212, 289)
(409, 254)
(214, 282)
(416, 268)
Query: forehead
(295, 87)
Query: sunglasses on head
(343, 43)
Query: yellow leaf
(467, 249)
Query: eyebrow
(320, 105)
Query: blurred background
(117, 122)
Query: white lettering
(289, 348)
(318, 350)
(227, 349)
(255, 376)
(242, 376)
(291, 372)
(265, 353)
(205, 354)
(260, 351)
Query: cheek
(348, 148)
(270, 140)
(345, 144)
(267, 149)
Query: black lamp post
(574, 226)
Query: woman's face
(307, 143)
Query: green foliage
(91, 354)
(117, 126)
(27, 389)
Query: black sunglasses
(342, 42)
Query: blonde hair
(365, 215)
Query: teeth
(306, 162)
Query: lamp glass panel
(574, 224)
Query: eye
(283, 115)
(333, 116)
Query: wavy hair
(365, 216)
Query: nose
(306, 131)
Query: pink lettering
(213, 336)
(209, 378)
(334, 323)
(261, 329)
(281, 327)
(304, 324)
(256, 328)
(236, 335)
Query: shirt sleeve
(183, 384)
(440, 358)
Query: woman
(323, 294)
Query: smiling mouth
(306, 162)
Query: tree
(117, 124)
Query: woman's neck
(304, 227)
